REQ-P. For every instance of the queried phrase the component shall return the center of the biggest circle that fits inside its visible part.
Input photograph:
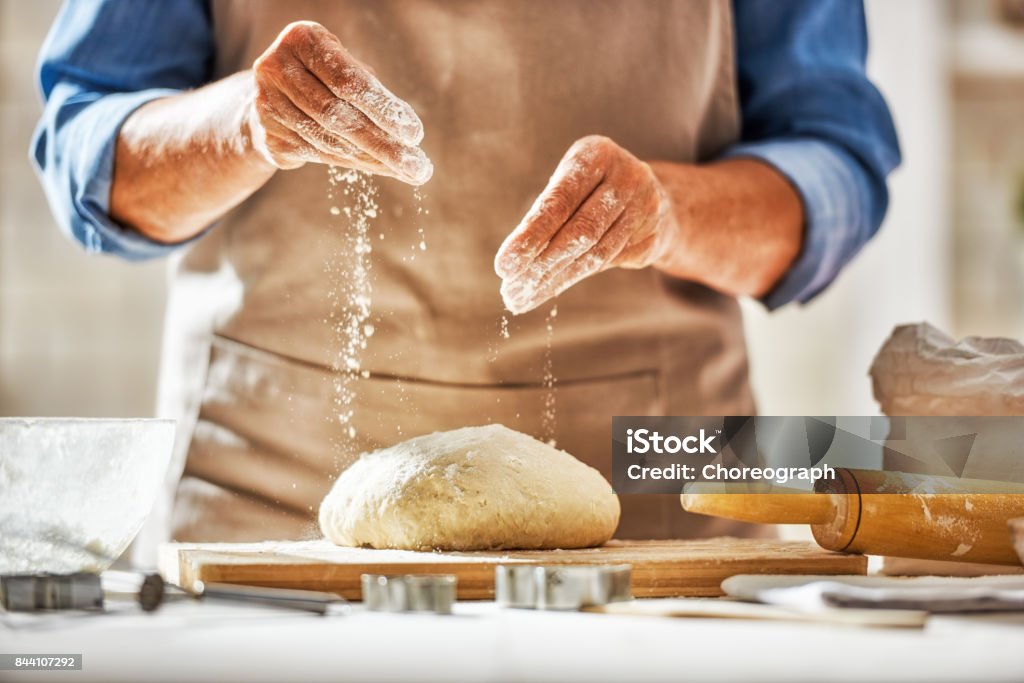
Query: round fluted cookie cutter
(409, 593)
(562, 587)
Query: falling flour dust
(354, 196)
(547, 422)
(418, 245)
(353, 199)
(421, 213)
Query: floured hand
(314, 102)
(602, 208)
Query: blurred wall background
(80, 335)
(951, 249)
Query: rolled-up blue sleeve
(809, 110)
(101, 61)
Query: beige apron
(503, 89)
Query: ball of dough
(476, 488)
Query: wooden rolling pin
(885, 513)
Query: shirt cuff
(97, 231)
(836, 203)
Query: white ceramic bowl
(75, 492)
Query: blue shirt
(808, 109)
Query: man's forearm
(738, 224)
(183, 161)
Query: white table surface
(480, 642)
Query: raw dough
(475, 488)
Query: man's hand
(313, 101)
(603, 207)
(733, 225)
(183, 161)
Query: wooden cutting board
(693, 568)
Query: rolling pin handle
(785, 506)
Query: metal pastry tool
(149, 590)
(81, 590)
(88, 591)
(317, 602)
(410, 593)
(39, 592)
(154, 591)
(562, 587)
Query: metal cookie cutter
(562, 587)
(409, 593)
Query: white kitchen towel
(928, 593)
